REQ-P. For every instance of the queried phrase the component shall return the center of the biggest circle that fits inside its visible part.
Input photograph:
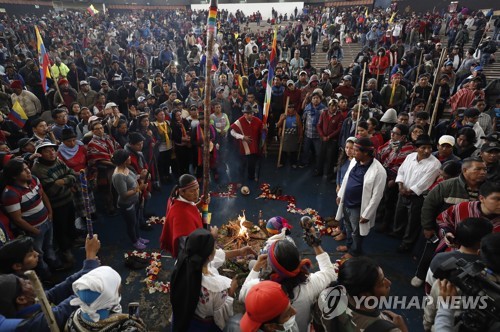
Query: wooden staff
(416, 78)
(211, 31)
(434, 113)
(42, 299)
(360, 96)
(56, 83)
(436, 72)
(86, 203)
(283, 133)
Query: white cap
(44, 143)
(447, 139)
(110, 105)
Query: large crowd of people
(407, 131)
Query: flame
(243, 230)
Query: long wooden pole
(434, 113)
(211, 31)
(283, 132)
(42, 299)
(436, 72)
(416, 79)
(360, 97)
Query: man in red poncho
(183, 216)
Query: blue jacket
(61, 294)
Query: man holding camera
(472, 279)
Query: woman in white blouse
(292, 273)
(202, 300)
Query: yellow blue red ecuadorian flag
(91, 10)
(43, 59)
(17, 115)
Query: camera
(472, 279)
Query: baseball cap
(347, 78)
(265, 301)
(303, 72)
(140, 99)
(43, 144)
(289, 82)
(472, 112)
(110, 105)
(327, 71)
(447, 139)
(84, 83)
(104, 82)
(23, 142)
(177, 102)
(490, 146)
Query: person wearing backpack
(487, 48)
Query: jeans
(42, 243)
(310, 144)
(485, 59)
(354, 241)
(131, 215)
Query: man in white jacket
(359, 196)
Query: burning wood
(241, 232)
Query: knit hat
(16, 84)
(62, 81)
(313, 78)
(265, 301)
(67, 133)
(120, 156)
(390, 116)
(317, 92)
(275, 224)
(134, 138)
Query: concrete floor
(309, 191)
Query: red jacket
(379, 64)
(330, 125)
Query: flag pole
(360, 97)
(283, 132)
(211, 31)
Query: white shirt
(418, 175)
(214, 300)
(304, 294)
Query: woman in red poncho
(183, 216)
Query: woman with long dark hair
(128, 188)
(202, 300)
(287, 268)
(182, 141)
(364, 281)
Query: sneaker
(416, 282)
(143, 241)
(139, 245)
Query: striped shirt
(28, 200)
